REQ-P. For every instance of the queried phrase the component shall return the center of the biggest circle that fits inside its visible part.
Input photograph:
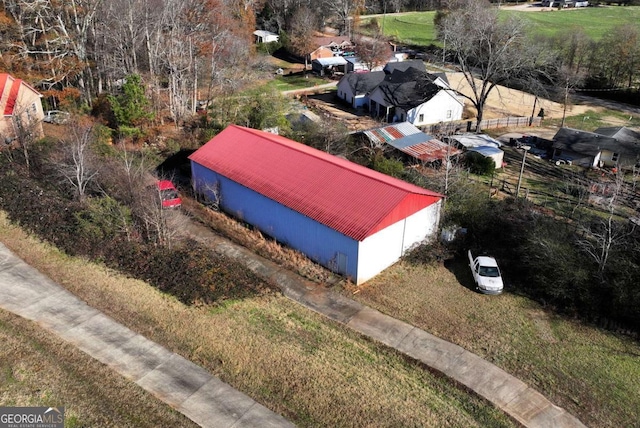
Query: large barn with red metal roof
(347, 217)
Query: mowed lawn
(416, 28)
(595, 21)
(592, 373)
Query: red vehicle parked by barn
(169, 194)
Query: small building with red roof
(21, 106)
(349, 218)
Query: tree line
(76, 50)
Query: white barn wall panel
(384, 248)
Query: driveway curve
(514, 397)
(183, 385)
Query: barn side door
(341, 262)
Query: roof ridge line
(325, 156)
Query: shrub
(429, 252)
(387, 166)
(479, 164)
(268, 48)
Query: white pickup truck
(486, 274)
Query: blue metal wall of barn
(320, 243)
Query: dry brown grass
(505, 101)
(39, 369)
(297, 363)
(594, 374)
(254, 240)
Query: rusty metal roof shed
(409, 139)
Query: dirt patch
(328, 106)
(543, 326)
(505, 101)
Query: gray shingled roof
(418, 64)
(363, 83)
(628, 139)
(408, 89)
(583, 142)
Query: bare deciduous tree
(372, 51)
(162, 226)
(301, 28)
(568, 79)
(489, 51)
(27, 130)
(344, 11)
(617, 57)
(78, 164)
(601, 236)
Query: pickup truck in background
(486, 274)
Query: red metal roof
(431, 151)
(13, 96)
(9, 93)
(347, 197)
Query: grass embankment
(294, 82)
(297, 363)
(592, 373)
(417, 28)
(592, 120)
(39, 369)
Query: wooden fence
(470, 125)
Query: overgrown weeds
(254, 240)
(134, 241)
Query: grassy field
(417, 28)
(411, 28)
(594, 374)
(38, 369)
(295, 81)
(595, 21)
(592, 120)
(311, 370)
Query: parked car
(562, 160)
(169, 194)
(56, 116)
(486, 274)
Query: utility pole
(566, 99)
(384, 15)
(525, 149)
(444, 49)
